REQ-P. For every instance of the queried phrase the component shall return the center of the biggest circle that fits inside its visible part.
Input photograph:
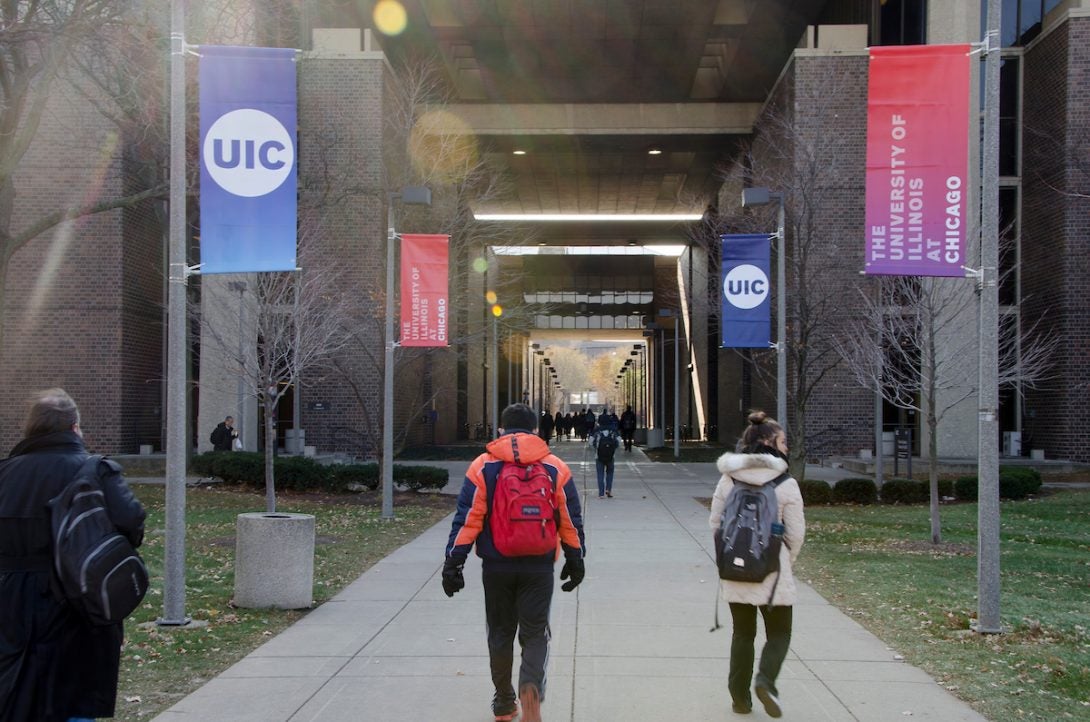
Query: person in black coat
(224, 435)
(54, 665)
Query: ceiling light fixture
(588, 217)
(654, 150)
(518, 152)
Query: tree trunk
(796, 454)
(933, 476)
(270, 449)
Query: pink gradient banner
(424, 289)
(917, 160)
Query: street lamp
(413, 196)
(763, 197)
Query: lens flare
(480, 265)
(490, 296)
(390, 17)
(497, 310)
(442, 148)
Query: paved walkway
(631, 644)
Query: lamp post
(762, 197)
(409, 195)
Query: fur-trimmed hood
(751, 468)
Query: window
(901, 22)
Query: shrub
(202, 464)
(815, 492)
(300, 473)
(946, 487)
(1014, 483)
(240, 467)
(965, 488)
(905, 491)
(415, 478)
(1018, 482)
(342, 476)
(855, 491)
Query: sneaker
(505, 710)
(769, 700)
(609, 494)
(739, 708)
(530, 699)
(601, 497)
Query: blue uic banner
(247, 158)
(744, 280)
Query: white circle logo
(248, 152)
(745, 286)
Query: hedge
(300, 473)
(855, 491)
(913, 491)
(815, 492)
(1015, 482)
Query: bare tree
(301, 322)
(45, 53)
(908, 342)
(818, 172)
(426, 145)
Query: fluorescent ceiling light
(544, 250)
(518, 152)
(592, 217)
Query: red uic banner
(917, 160)
(424, 289)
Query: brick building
(785, 81)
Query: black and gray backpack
(96, 568)
(746, 548)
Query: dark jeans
(518, 602)
(777, 622)
(605, 475)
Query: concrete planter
(274, 560)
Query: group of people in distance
(56, 665)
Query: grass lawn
(160, 665)
(877, 565)
(690, 452)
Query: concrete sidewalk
(631, 644)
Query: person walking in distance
(604, 441)
(224, 435)
(628, 427)
(514, 482)
(762, 461)
(55, 664)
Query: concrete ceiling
(587, 87)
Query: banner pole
(388, 368)
(174, 551)
(988, 621)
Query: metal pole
(879, 457)
(174, 552)
(781, 318)
(677, 390)
(495, 376)
(988, 621)
(388, 369)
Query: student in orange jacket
(518, 590)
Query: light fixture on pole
(413, 196)
(763, 197)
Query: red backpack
(523, 515)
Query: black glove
(575, 569)
(453, 581)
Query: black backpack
(746, 547)
(96, 568)
(606, 446)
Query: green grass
(877, 565)
(160, 665)
(466, 451)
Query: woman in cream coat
(763, 458)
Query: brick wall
(811, 143)
(1056, 234)
(81, 307)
